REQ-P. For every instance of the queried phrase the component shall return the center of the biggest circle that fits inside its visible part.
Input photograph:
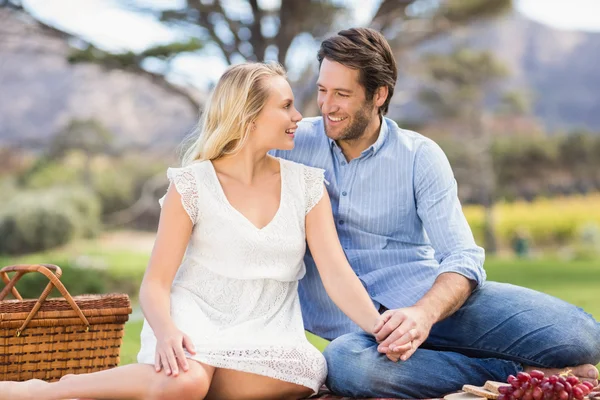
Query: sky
(110, 27)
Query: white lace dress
(236, 291)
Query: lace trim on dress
(185, 183)
(298, 365)
(314, 179)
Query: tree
(249, 30)
(88, 136)
(459, 84)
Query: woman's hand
(170, 354)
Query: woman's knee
(190, 385)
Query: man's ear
(381, 95)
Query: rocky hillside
(40, 92)
(558, 67)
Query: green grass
(575, 282)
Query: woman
(220, 297)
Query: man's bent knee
(350, 363)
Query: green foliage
(47, 173)
(467, 10)
(130, 59)
(38, 220)
(171, 49)
(547, 222)
(459, 80)
(89, 136)
(115, 189)
(86, 206)
(76, 280)
(526, 167)
(515, 103)
(30, 226)
(517, 158)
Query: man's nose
(328, 105)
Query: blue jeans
(498, 330)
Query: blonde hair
(233, 105)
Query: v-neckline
(236, 211)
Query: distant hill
(559, 67)
(40, 92)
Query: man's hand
(400, 332)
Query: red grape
(538, 393)
(584, 389)
(588, 384)
(578, 393)
(562, 380)
(573, 380)
(523, 377)
(513, 381)
(568, 387)
(548, 395)
(503, 389)
(537, 374)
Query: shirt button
(344, 194)
(343, 162)
(341, 222)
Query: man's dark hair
(367, 51)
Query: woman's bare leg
(228, 384)
(136, 381)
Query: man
(401, 224)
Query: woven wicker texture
(48, 338)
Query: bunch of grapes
(536, 386)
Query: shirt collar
(383, 133)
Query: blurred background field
(91, 117)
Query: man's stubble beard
(359, 124)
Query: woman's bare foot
(29, 390)
(585, 372)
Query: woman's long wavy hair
(233, 105)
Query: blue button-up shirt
(398, 218)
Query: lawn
(576, 282)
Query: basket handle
(54, 282)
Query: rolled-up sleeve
(440, 211)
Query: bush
(86, 206)
(76, 280)
(39, 220)
(545, 221)
(47, 173)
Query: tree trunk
(487, 178)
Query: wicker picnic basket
(48, 338)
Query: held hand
(400, 332)
(170, 354)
